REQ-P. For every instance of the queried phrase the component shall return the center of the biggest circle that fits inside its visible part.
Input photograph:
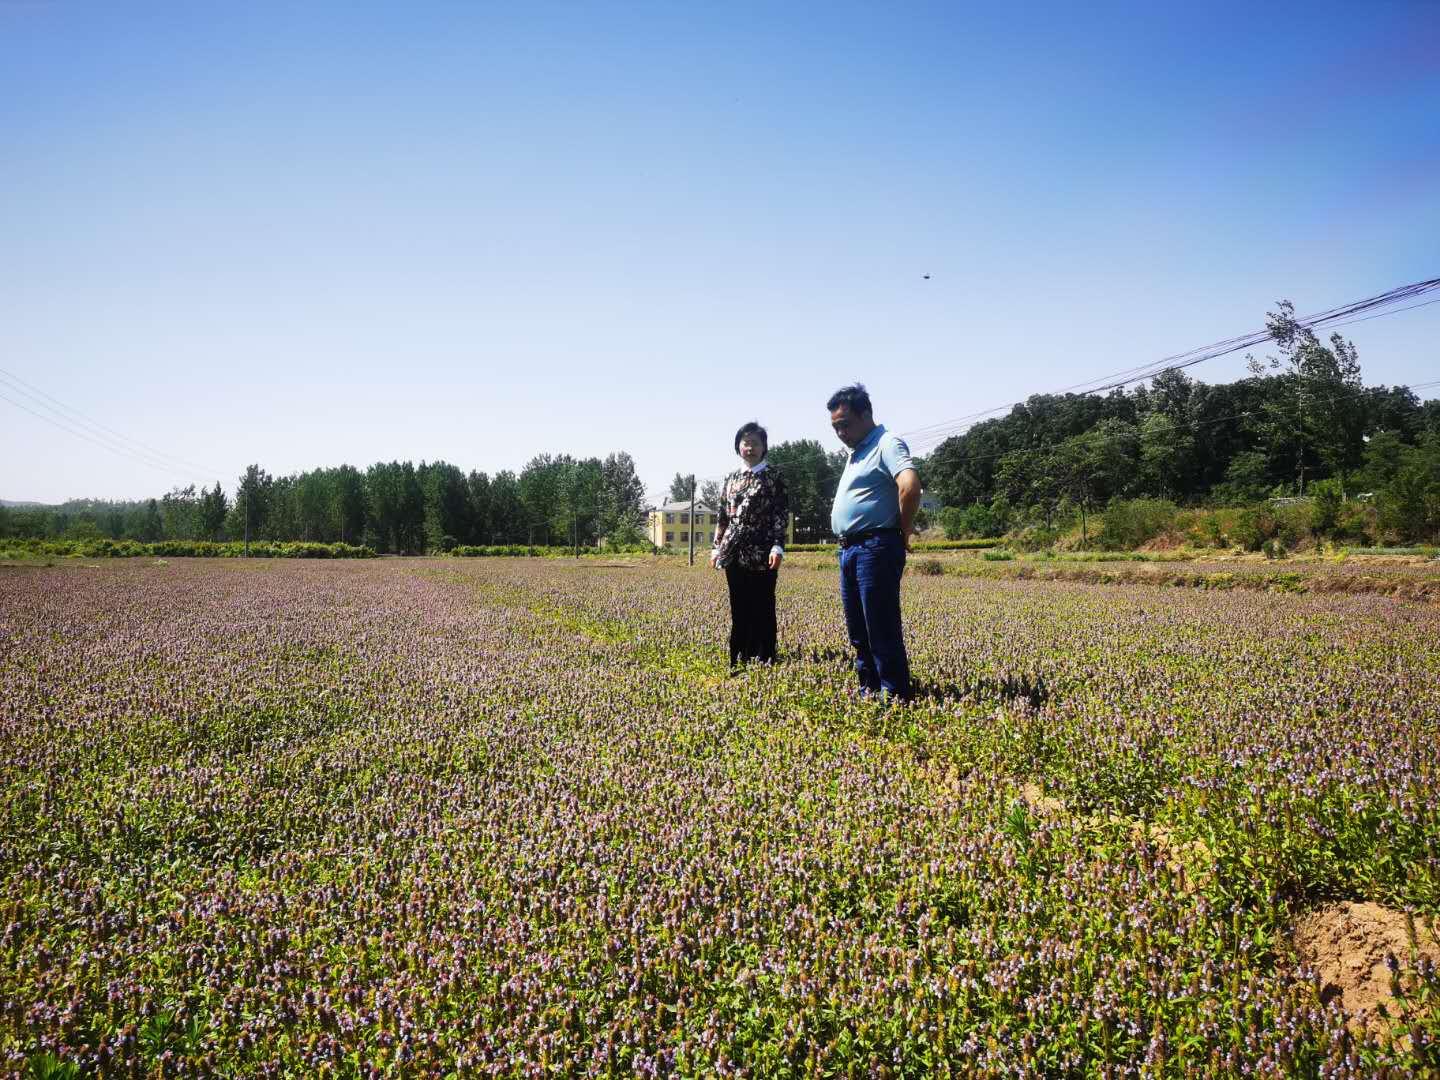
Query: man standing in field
(873, 515)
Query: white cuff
(778, 550)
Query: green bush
(1327, 505)
(1035, 538)
(1206, 531)
(929, 567)
(554, 551)
(915, 545)
(975, 520)
(185, 549)
(1129, 523)
(1288, 525)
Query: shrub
(915, 545)
(975, 520)
(1035, 538)
(188, 549)
(998, 555)
(1131, 522)
(930, 567)
(1206, 531)
(1325, 510)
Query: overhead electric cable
(121, 442)
(1338, 316)
(158, 466)
(1140, 436)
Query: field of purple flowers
(511, 818)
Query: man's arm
(909, 484)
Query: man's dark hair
(752, 428)
(856, 397)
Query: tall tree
(447, 505)
(811, 476)
(622, 499)
(682, 487)
(252, 502)
(1166, 449)
(478, 484)
(508, 523)
(540, 485)
(213, 507)
(351, 504)
(1314, 418)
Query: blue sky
(321, 233)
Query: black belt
(851, 539)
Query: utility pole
(693, 486)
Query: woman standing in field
(749, 546)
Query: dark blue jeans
(870, 590)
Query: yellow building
(670, 526)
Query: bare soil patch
(1352, 946)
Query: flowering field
(511, 818)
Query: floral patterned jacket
(754, 514)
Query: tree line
(1301, 423)
(393, 507)
(1300, 418)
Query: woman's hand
(714, 560)
(775, 559)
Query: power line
(158, 466)
(108, 437)
(1339, 316)
(1139, 435)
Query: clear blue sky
(308, 234)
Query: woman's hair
(854, 397)
(752, 428)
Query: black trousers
(752, 614)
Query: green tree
(1314, 415)
(1247, 479)
(1382, 458)
(508, 524)
(315, 506)
(252, 503)
(1329, 501)
(396, 512)
(351, 504)
(622, 499)
(179, 514)
(1166, 448)
(447, 510)
(681, 487)
(1409, 506)
(811, 477)
(478, 484)
(153, 525)
(540, 484)
(1095, 466)
(213, 508)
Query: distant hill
(22, 505)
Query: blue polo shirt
(867, 497)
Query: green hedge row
(554, 551)
(919, 545)
(486, 551)
(180, 549)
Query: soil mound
(1351, 946)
